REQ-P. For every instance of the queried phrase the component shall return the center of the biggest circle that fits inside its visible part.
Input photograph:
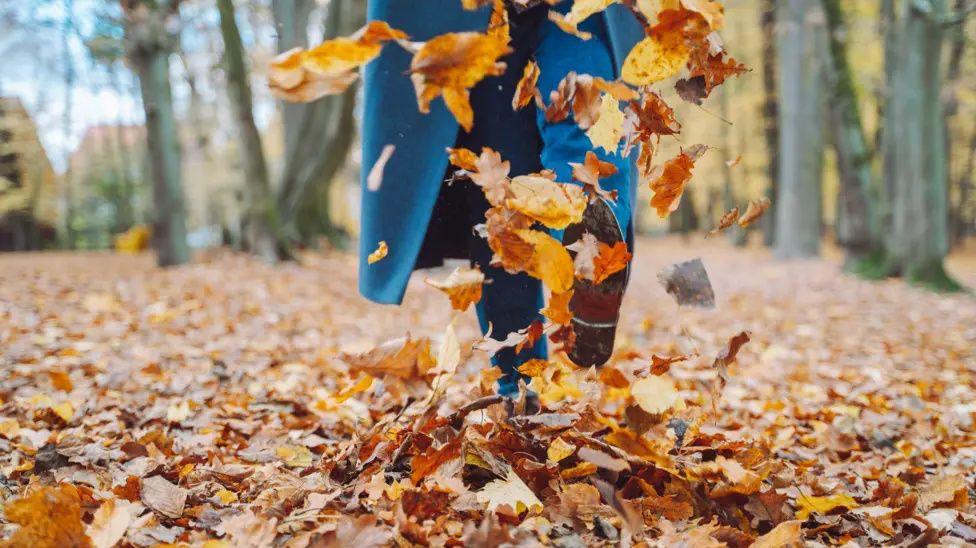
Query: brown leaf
(754, 211)
(526, 89)
(725, 222)
(48, 517)
(163, 497)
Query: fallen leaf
(110, 523)
(822, 505)
(510, 491)
(785, 535)
(163, 497)
(48, 517)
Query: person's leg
(509, 302)
(595, 307)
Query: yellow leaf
(64, 410)
(381, 251)
(559, 449)
(556, 205)
(786, 534)
(9, 428)
(549, 262)
(295, 456)
(606, 131)
(656, 395)
(359, 387)
(178, 413)
(226, 497)
(822, 505)
(581, 10)
(304, 76)
(511, 492)
(654, 59)
(453, 63)
(48, 516)
(557, 309)
(463, 286)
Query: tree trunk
(291, 24)
(149, 44)
(854, 217)
(918, 241)
(770, 115)
(798, 212)
(68, 204)
(323, 135)
(260, 221)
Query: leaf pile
(233, 402)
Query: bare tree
(854, 222)
(148, 43)
(799, 202)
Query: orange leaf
(557, 310)
(726, 221)
(381, 250)
(49, 516)
(669, 185)
(754, 211)
(526, 89)
(306, 75)
(451, 64)
(463, 286)
(610, 260)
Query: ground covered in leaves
(230, 403)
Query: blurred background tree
(858, 121)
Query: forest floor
(237, 403)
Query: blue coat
(398, 213)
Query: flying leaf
(656, 395)
(709, 9)
(305, 75)
(754, 211)
(660, 366)
(381, 250)
(557, 309)
(606, 132)
(590, 172)
(725, 222)
(555, 205)
(609, 260)
(462, 286)
(451, 64)
(405, 357)
(549, 262)
(669, 185)
(581, 10)
(490, 173)
(526, 89)
(585, 251)
(375, 177)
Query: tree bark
(918, 241)
(770, 115)
(148, 43)
(798, 212)
(324, 134)
(260, 221)
(854, 225)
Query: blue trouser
(512, 301)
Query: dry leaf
(821, 505)
(754, 211)
(725, 222)
(162, 496)
(607, 131)
(381, 250)
(451, 64)
(555, 205)
(669, 185)
(306, 75)
(526, 89)
(609, 260)
(462, 286)
(511, 492)
(375, 177)
(110, 523)
(48, 517)
(656, 395)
